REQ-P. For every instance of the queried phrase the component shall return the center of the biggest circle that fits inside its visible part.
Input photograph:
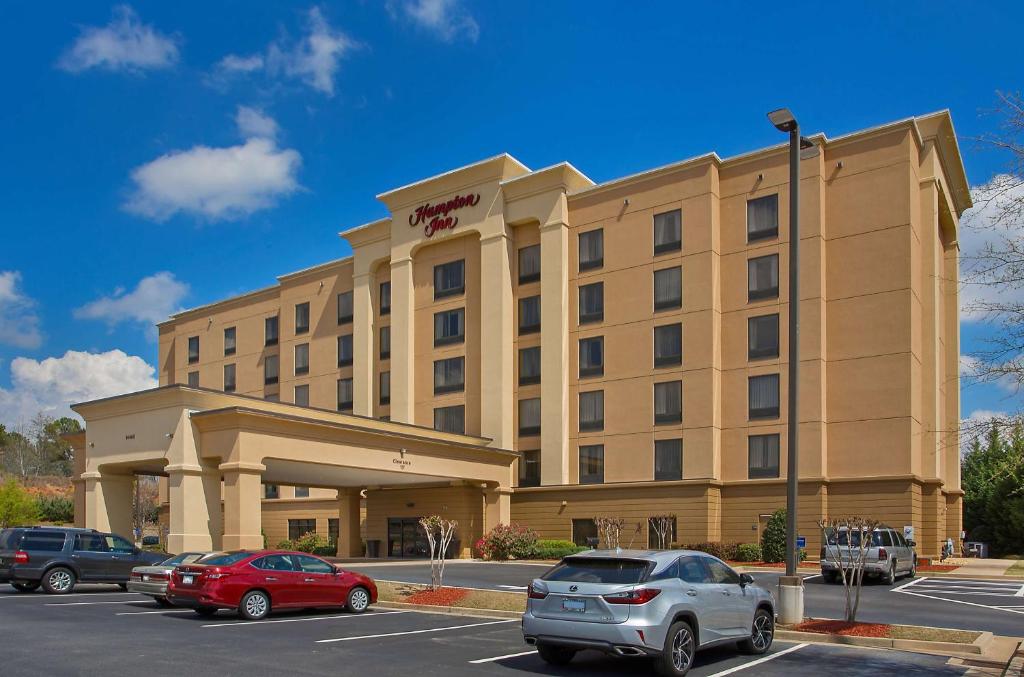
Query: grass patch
(459, 598)
(1017, 569)
(932, 634)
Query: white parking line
(961, 601)
(807, 578)
(759, 661)
(161, 611)
(127, 601)
(907, 585)
(1019, 593)
(501, 658)
(74, 594)
(415, 632)
(304, 620)
(981, 592)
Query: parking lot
(99, 629)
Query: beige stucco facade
(879, 356)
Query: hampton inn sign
(436, 217)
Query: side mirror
(912, 544)
(746, 579)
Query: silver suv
(664, 604)
(889, 555)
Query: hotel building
(528, 346)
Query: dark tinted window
(668, 231)
(720, 573)
(529, 365)
(312, 565)
(668, 460)
(345, 350)
(763, 395)
(668, 573)
(529, 416)
(193, 349)
(450, 419)
(183, 558)
(591, 414)
(585, 570)
(385, 298)
(668, 345)
(592, 464)
(762, 217)
(118, 544)
(591, 303)
(668, 288)
(449, 375)
(529, 315)
(449, 279)
(592, 249)
(529, 264)
(45, 541)
(273, 563)
(9, 538)
(302, 318)
(762, 456)
(529, 469)
(668, 402)
(270, 331)
(221, 559)
(91, 543)
(763, 277)
(763, 336)
(345, 307)
(584, 532)
(449, 326)
(692, 571)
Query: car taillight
(882, 555)
(136, 576)
(21, 557)
(534, 593)
(641, 596)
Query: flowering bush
(507, 541)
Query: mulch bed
(439, 597)
(937, 567)
(830, 627)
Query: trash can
(373, 548)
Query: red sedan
(254, 582)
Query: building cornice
(493, 168)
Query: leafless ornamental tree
(662, 525)
(439, 536)
(847, 541)
(610, 530)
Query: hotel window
(450, 419)
(591, 249)
(592, 356)
(529, 315)
(449, 327)
(302, 395)
(301, 492)
(193, 379)
(193, 349)
(668, 231)
(271, 491)
(591, 464)
(584, 533)
(270, 331)
(332, 529)
(345, 307)
(762, 218)
(668, 402)
(763, 278)
(385, 343)
(449, 279)
(592, 302)
(385, 298)
(449, 375)
(763, 396)
(345, 350)
(529, 416)
(668, 345)
(762, 456)
(270, 370)
(763, 336)
(591, 411)
(301, 318)
(668, 459)
(529, 264)
(385, 387)
(529, 469)
(668, 288)
(229, 378)
(299, 528)
(229, 341)
(301, 359)
(344, 394)
(529, 366)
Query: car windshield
(224, 558)
(183, 558)
(593, 570)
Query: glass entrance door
(406, 538)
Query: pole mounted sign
(435, 217)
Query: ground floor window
(406, 538)
(584, 532)
(332, 529)
(271, 491)
(301, 492)
(299, 528)
(658, 540)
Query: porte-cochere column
(243, 506)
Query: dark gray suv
(58, 557)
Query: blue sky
(164, 155)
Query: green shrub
(17, 507)
(315, 544)
(285, 545)
(56, 509)
(723, 551)
(507, 541)
(748, 552)
(773, 540)
(555, 549)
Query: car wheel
(59, 581)
(890, 576)
(164, 602)
(25, 587)
(254, 605)
(358, 600)
(205, 611)
(555, 655)
(680, 647)
(123, 586)
(762, 633)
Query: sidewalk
(981, 568)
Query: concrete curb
(452, 610)
(1015, 668)
(921, 646)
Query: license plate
(577, 605)
(187, 580)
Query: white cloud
(51, 385)
(19, 324)
(125, 44)
(215, 183)
(446, 19)
(980, 227)
(153, 300)
(252, 122)
(314, 59)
